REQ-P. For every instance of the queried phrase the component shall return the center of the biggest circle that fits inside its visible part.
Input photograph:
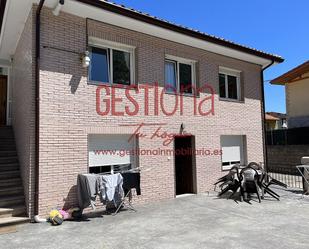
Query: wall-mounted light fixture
(86, 59)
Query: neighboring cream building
(296, 83)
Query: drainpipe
(263, 115)
(37, 104)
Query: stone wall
(285, 157)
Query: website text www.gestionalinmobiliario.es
(160, 152)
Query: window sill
(224, 170)
(232, 100)
(183, 94)
(96, 83)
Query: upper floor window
(229, 84)
(179, 75)
(111, 63)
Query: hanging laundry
(111, 188)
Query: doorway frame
(194, 171)
(8, 94)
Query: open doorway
(3, 99)
(185, 170)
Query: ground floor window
(233, 150)
(112, 152)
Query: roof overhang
(16, 13)
(269, 117)
(13, 18)
(298, 73)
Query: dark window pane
(170, 76)
(222, 85)
(185, 78)
(99, 65)
(121, 67)
(99, 170)
(232, 87)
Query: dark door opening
(3, 99)
(185, 172)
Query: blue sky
(275, 26)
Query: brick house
(56, 104)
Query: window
(179, 75)
(99, 69)
(229, 84)
(233, 150)
(121, 67)
(107, 153)
(111, 63)
(170, 76)
(109, 169)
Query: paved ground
(190, 222)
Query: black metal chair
(262, 181)
(251, 179)
(250, 182)
(266, 189)
(228, 178)
(276, 182)
(233, 181)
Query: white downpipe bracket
(58, 7)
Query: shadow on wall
(61, 65)
(74, 82)
(69, 64)
(71, 200)
(70, 41)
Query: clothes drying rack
(304, 171)
(127, 199)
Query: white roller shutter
(232, 150)
(107, 150)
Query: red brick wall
(23, 108)
(68, 110)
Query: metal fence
(290, 176)
(295, 136)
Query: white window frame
(177, 60)
(134, 160)
(109, 45)
(230, 72)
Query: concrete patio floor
(198, 221)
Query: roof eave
(278, 82)
(292, 75)
(163, 24)
(142, 17)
